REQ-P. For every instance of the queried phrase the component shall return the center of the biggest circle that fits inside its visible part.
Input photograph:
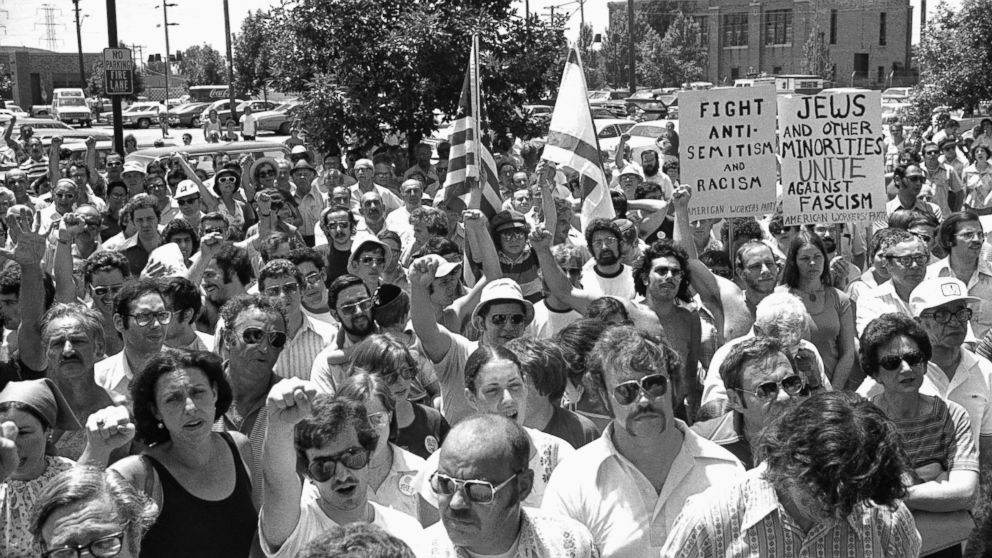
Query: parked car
(608, 132)
(644, 135)
(279, 119)
(221, 105)
(202, 154)
(141, 115)
(188, 115)
(256, 105)
(41, 111)
(15, 109)
(647, 104)
(608, 112)
(897, 94)
(69, 106)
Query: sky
(202, 21)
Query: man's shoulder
(557, 532)
(707, 454)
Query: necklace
(810, 295)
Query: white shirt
(971, 387)
(547, 322)
(298, 355)
(114, 375)
(620, 285)
(398, 490)
(883, 299)
(248, 124)
(314, 522)
(628, 518)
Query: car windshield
(599, 96)
(653, 131)
(73, 102)
(643, 95)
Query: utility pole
(140, 56)
(79, 44)
(49, 12)
(551, 17)
(165, 23)
(630, 47)
(115, 99)
(230, 62)
(582, 14)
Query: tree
(252, 49)
(593, 61)
(367, 68)
(955, 59)
(681, 56)
(816, 55)
(202, 65)
(647, 41)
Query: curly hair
(440, 246)
(107, 261)
(170, 360)
(180, 295)
(10, 284)
(141, 201)
(234, 259)
(337, 209)
(482, 356)
(271, 243)
(180, 226)
(238, 305)
(542, 362)
(790, 275)
(885, 328)
(949, 228)
(607, 306)
(279, 268)
(433, 219)
(602, 224)
(383, 354)
(837, 448)
(356, 540)
(662, 249)
(307, 254)
(329, 417)
(89, 318)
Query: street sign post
(118, 71)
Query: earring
(160, 425)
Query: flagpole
(475, 193)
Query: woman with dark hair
(419, 429)
(936, 434)
(199, 478)
(977, 178)
(391, 468)
(807, 276)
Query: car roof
(234, 147)
(599, 122)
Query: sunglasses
(188, 201)
(943, 317)
(892, 362)
(227, 179)
(145, 318)
(931, 152)
(501, 319)
(104, 547)
(276, 290)
(371, 260)
(211, 230)
(356, 308)
(793, 385)
(323, 468)
(665, 271)
(266, 174)
(475, 491)
(653, 385)
(907, 261)
(114, 165)
(313, 278)
(254, 336)
(513, 235)
(104, 291)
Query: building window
(735, 73)
(778, 27)
(881, 29)
(833, 27)
(735, 30)
(704, 29)
(881, 75)
(776, 70)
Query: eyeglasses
(356, 308)
(501, 319)
(931, 152)
(971, 235)
(218, 230)
(892, 362)
(266, 174)
(513, 235)
(323, 468)
(276, 290)
(371, 260)
(112, 290)
(228, 179)
(113, 165)
(378, 419)
(104, 547)
(145, 318)
(254, 336)
(943, 317)
(907, 261)
(793, 385)
(664, 271)
(475, 491)
(188, 201)
(653, 385)
(605, 242)
(313, 278)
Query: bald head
(488, 438)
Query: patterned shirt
(746, 520)
(298, 357)
(541, 536)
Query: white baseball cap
(932, 293)
(186, 189)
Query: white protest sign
(727, 151)
(832, 149)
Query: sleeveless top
(191, 527)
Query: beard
(650, 169)
(830, 245)
(360, 326)
(607, 257)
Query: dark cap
(509, 219)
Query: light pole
(115, 100)
(165, 24)
(79, 43)
(230, 62)
(630, 46)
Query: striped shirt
(941, 436)
(252, 425)
(35, 169)
(746, 520)
(298, 356)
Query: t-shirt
(548, 322)
(571, 427)
(337, 263)
(248, 124)
(451, 378)
(620, 285)
(12, 371)
(425, 434)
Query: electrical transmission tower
(50, 38)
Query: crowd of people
(324, 355)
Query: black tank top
(189, 527)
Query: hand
(540, 237)
(473, 219)
(264, 205)
(423, 269)
(154, 269)
(90, 142)
(9, 457)
(31, 239)
(56, 144)
(109, 428)
(681, 197)
(210, 244)
(290, 401)
(72, 225)
(839, 272)
(624, 138)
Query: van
(69, 106)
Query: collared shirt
(628, 518)
(971, 387)
(311, 205)
(298, 356)
(170, 212)
(326, 376)
(399, 489)
(944, 179)
(883, 299)
(541, 536)
(862, 284)
(924, 208)
(114, 375)
(136, 254)
(253, 425)
(979, 285)
(746, 520)
(389, 200)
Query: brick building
(35, 72)
(867, 39)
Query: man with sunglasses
(351, 304)
(908, 181)
(105, 273)
(368, 261)
(338, 225)
(761, 384)
(281, 280)
(948, 191)
(629, 485)
(141, 318)
(188, 200)
(482, 479)
(311, 265)
(332, 440)
(961, 236)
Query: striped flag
(572, 141)
(469, 160)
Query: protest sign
(727, 151)
(832, 150)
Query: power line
(49, 12)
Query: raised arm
(483, 246)
(702, 279)
(435, 339)
(8, 133)
(557, 281)
(31, 241)
(288, 403)
(65, 287)
(618, 159)
(54, 154)
(208, 197)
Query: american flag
(469, 159)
